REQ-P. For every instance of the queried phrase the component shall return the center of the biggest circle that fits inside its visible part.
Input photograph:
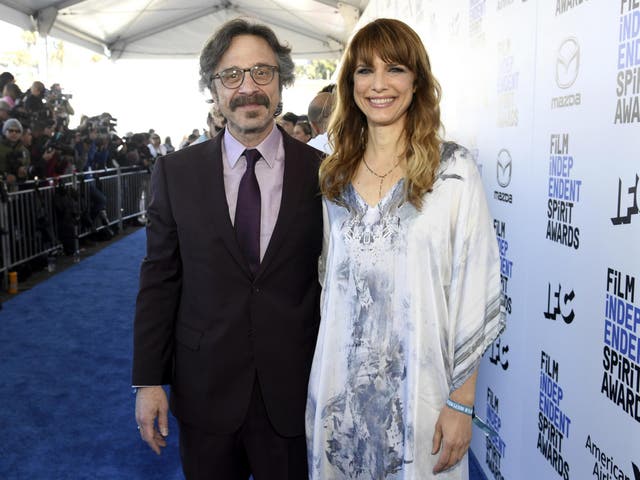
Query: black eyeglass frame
(251, 71)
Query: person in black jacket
(227, 311)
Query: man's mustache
(256, 99)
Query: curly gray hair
(219, 42)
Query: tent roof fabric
(178, 29)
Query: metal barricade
(30, 219)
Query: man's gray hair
(219, 42)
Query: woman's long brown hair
(394, 42)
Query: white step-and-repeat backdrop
(546, 94)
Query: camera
(103, 123)
(60, 142)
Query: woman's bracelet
(484, 426)
(460, 407)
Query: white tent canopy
(175, 29)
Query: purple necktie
(247, 221)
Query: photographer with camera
(86, 149)
(34, 100)
(32, 108)
(62, 160)
(41, 155)
(96, 142)
(137, 151)
(114, 146)
(93, 147)
(60, 106)
(14, 157)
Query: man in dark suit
(227, 311)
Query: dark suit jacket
(203, 324)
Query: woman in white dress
(410, 272)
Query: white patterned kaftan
(411, 299)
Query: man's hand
(151, 403)
(451, 438)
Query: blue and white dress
(410, 301)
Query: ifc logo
(503, 168)
(567, 62)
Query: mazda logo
(567, 62)
(503, 170)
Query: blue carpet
(67, 407)
(475, 471)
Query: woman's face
(298, 132)
(383, 91)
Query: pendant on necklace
(381, 177)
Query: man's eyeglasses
(233, 77)
(13, 130)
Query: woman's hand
(451, 438)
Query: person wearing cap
(14, 157)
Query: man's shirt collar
(268, 148)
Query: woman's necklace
(381, 177)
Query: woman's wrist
(460, 407)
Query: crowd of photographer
(37, 142)
(57, 184)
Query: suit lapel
(292, 187)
